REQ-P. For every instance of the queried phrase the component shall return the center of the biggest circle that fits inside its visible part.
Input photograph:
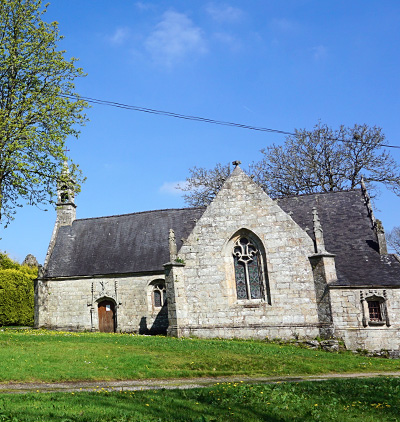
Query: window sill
(376, 323)
(255, 303)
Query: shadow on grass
(369, 400)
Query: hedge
(16, 292)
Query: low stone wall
(251, 332)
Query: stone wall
(207, 297)
(351, 318)
(72, 304)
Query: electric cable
(200, 119)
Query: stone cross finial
(236, 163)
(172, 245)
(364, 188)
(380, 233)
(318, 233)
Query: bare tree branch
(393, 239)
(309, 162)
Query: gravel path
(181, 383)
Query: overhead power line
(198, 119)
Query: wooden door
(106, 316)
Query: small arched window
(64, 197)
(248, 269)
(159, 295)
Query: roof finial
(236, 163)
(172, 245)
(362, 182)
(318, 233)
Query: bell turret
(66, 208)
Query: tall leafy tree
(37, 113)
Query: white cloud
(143, 6)
(171, 188)
(319, 52)
(174, 38)
(120, 35)
(284, 25)
(224, 13)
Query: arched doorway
(106, 316)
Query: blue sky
(279, 64)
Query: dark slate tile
(128, 243)
(349, 234)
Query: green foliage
(16, 292)
(8, 263)
(36, 110)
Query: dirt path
(181, 383)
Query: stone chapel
(245, 266)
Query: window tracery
(248, 271)
(159, 295)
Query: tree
(37, 113)
(393, 239)
(326, 160)
(202, 185)
(321, 160)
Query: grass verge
(49, 356)
(335, 400)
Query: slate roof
(135, 243)
(130, 243)
(348, 233)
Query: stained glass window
(248, 277)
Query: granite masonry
(246, 266)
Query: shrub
(16, 292)
(6, 262)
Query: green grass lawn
(367, 400)
(44, 356)
(39, 355)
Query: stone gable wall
(347, 312)
(212, 308)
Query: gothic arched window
(248, 269)
(159, 295)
